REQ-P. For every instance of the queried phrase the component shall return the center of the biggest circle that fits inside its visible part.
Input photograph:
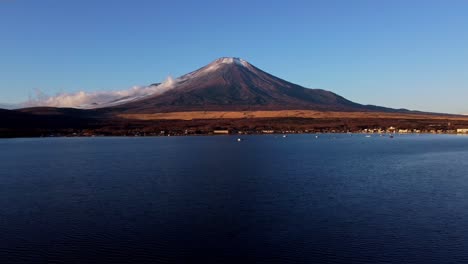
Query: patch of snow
(231, 60)
(211, 67)
(215, 65)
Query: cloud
(83, 99)
(7, 106)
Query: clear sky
(411, 54)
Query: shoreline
(239, 135)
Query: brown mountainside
(233, 84)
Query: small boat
(239, 139)
(284, 136)
(368, 136)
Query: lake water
(267, 199)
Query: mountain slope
(234, 84)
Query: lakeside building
(221, 131)
(462, 131)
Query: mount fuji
(233, 84)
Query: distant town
(188, 132)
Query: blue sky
(411, 54)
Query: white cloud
(7, 106)
(83, 99)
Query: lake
(337, 198)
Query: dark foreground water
(267, 199)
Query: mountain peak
(232, 60)
(218, 64)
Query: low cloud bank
(83, 99)
(7, 106)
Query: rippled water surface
(267, 199)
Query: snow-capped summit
(231, 60)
